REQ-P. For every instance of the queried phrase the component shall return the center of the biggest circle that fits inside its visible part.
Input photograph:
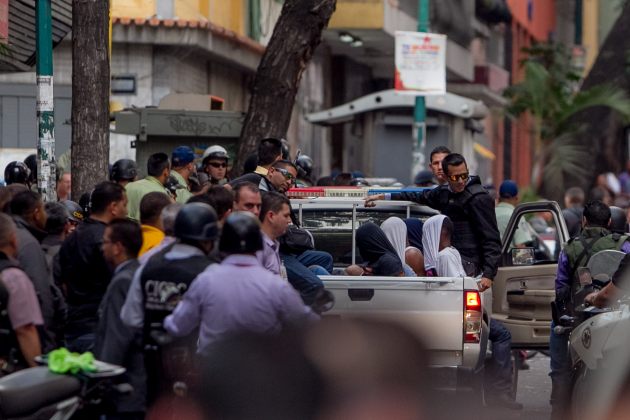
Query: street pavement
(534, 388)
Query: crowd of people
(141, 271)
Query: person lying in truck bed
(377, 252)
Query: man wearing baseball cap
(183, 163)
(508, 199)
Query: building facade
(159, 47)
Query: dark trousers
(499, 375)
(300, 271)
(560, 364)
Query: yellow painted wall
(132, 8)
(365, 14)
(590, 29)
(230, 14)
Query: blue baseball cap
(508, 189)
(182, 155)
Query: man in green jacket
(183, 159)
(158, 170)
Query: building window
(123, 85)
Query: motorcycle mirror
(584, 274)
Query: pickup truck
(448, 313)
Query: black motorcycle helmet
(617, 220)
(196, 222)
(31, 163)
(124, 170)
(241, 234)
(305, 164)
(286, 151)
(17, 172)
(75, 210)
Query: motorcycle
(37, 393)
(598, 341)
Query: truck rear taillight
(472, 316)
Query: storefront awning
(20, 49)
(450, 103)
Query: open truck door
(525, 283)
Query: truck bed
(432, 307)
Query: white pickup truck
(448, 313)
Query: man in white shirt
(508, 199)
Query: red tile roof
(193, 24)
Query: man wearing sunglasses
(476, 236)
(282, 175)
(215, 164)
(464, 200)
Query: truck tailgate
(431, 307)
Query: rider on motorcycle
(593, 238)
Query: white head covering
(396, 231)
(431, 232)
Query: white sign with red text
(420, 63)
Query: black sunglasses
(218, 164)
(287, 175)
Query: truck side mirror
(522, 256)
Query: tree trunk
(296, 35)
(90, 94)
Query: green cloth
(183, 193)
(63, 361)
(138, 189)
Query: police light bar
(338, 192)
(374, 191)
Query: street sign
(420, 63)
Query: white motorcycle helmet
(217, 152)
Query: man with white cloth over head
(440, 258)
(396, 231)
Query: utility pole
(420, 111)
(46, 165)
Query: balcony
(375, 22)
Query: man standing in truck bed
(476, 236)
